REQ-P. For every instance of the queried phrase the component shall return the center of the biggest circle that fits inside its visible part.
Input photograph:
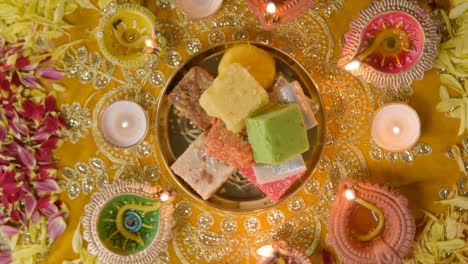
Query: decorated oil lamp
(130, 36)
(129, 222)
(273, 12)
(370, 224)
(391, 43)
(280, 253)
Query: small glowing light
(124, 124)
(396, 130)
(266, 251)
(350, 195)
(150, 43)
(164, 197)
(270, 7)
(353, 65)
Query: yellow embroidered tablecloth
(203, 234)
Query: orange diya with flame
(370, 224)
(274, 12)
(391, 43)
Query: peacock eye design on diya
(129, 222)
(391, 43)
(130, 35)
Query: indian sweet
(280, 82)
(232, 148)
(266, 173)
(273, 190)
(185, 96)
(277, 133)
(233, 96)
(293, 93)
(202, 172)
(258, 62)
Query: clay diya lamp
(279, 252)
(272, 13)
(130, 35)
(391, 43)
(370, 224)
(129, 222)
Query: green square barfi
(277, 133)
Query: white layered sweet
(284, 92)
(266, 173)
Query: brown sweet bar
(186, 94)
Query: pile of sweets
(249, 124)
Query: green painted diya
(130, 35)
(129, 222)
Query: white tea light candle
(396, 127)
(123, 123)
(198, 9)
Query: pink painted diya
(391, 43)
(271, 13)
(355, 209)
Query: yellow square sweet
(233, 96)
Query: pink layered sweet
(273, 190)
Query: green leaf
(86, 4)
(460, 201)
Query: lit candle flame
(150, 43)
(353, 65)
(124, 124)
(266, 251)
(349, 194)
(164, 197)
(396, 130)
(270, 7)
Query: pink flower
(327, 257)
(5, 257)
(26, 157)
(55, 228)
(50, 73)
(23, 71)
(45, 186)
(8, 230)
(29, 80)
(30, 128)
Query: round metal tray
(174, 133)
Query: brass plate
(175, 133)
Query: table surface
(203, 233)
